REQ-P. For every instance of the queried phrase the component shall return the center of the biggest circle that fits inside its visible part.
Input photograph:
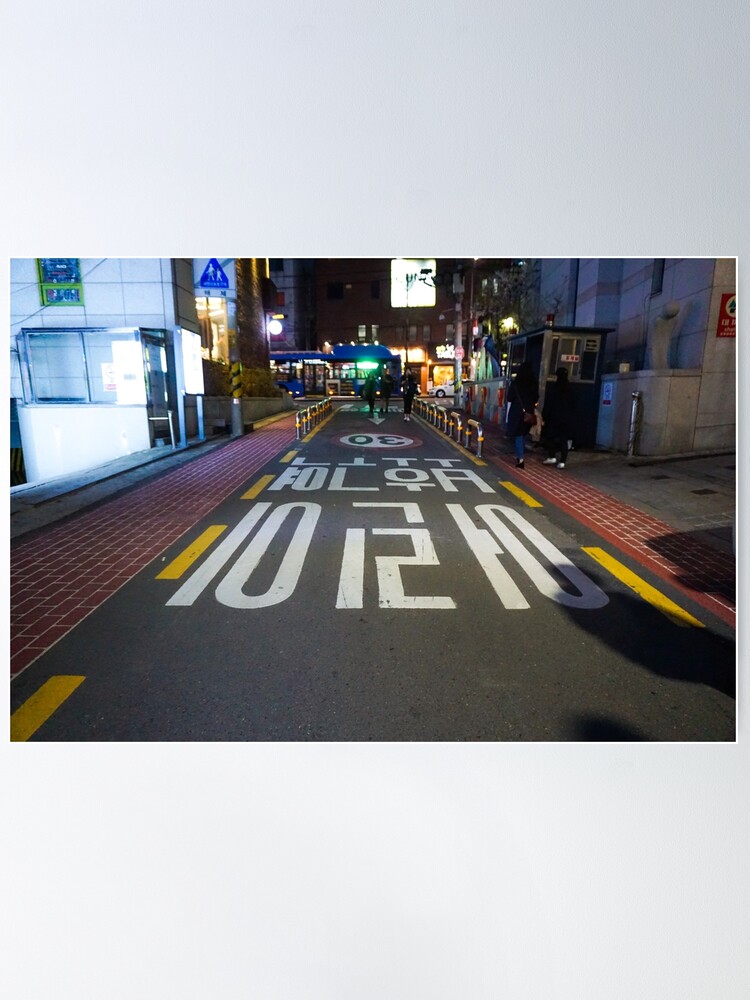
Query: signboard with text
(60, 281)
(727, 325)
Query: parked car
(444, 389)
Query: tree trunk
(251, 321)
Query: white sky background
(377, 872)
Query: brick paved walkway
(703, 573)
(60, 575)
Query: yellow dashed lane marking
(673, 611)
(256, 488)
(187, 557)
(288, 457)
(39, 707)
(322, 423)
(518, 492)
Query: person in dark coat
(409, 390)
(386, 388)
(369, 389)
(558, 416)
(524, 396)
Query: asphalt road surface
(380, 583)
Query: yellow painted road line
(289, 456)
(673, 611)
(322, 423)
(521, 494)
(256, 488)
(39, 707)
(188, 556)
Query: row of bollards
(311, 415)
(450, 422)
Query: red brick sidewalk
(704, 574)
(62, 574)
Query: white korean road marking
(197, 583)
(391, 585)
(229, 592)
(483, 547)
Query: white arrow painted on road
(377, 420)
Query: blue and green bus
(339, 372)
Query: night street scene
(397, 499)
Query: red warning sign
(727, 326)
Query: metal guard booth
(580, 349)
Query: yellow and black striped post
(237, 422)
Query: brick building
(353, 299)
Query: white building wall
(59, 440)
(153, 293)
(117, 291)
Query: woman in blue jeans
(523, 396)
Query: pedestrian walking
(558, 415)
(369, 390)
(409, 390)
(386, 389)
(523, 396)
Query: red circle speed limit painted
(369, 440)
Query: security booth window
(85, 366)
(578, 354)
(57, 368)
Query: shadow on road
(603, 729)
(717, 568)
(643, 635)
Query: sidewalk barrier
(310, 415)
(480, 435)
(440, 417)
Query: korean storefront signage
(60, 281)
(727, 326)
(445, 352)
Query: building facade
(92, 344)
(294, 282)
(672, 341)
(356, 302)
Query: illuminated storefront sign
(412, 282)
(445, 352)
(192, 363)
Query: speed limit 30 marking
(367, 440)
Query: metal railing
(448, 421)
(306, 418)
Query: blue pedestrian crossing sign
(213, 276)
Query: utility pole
(458, 291)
